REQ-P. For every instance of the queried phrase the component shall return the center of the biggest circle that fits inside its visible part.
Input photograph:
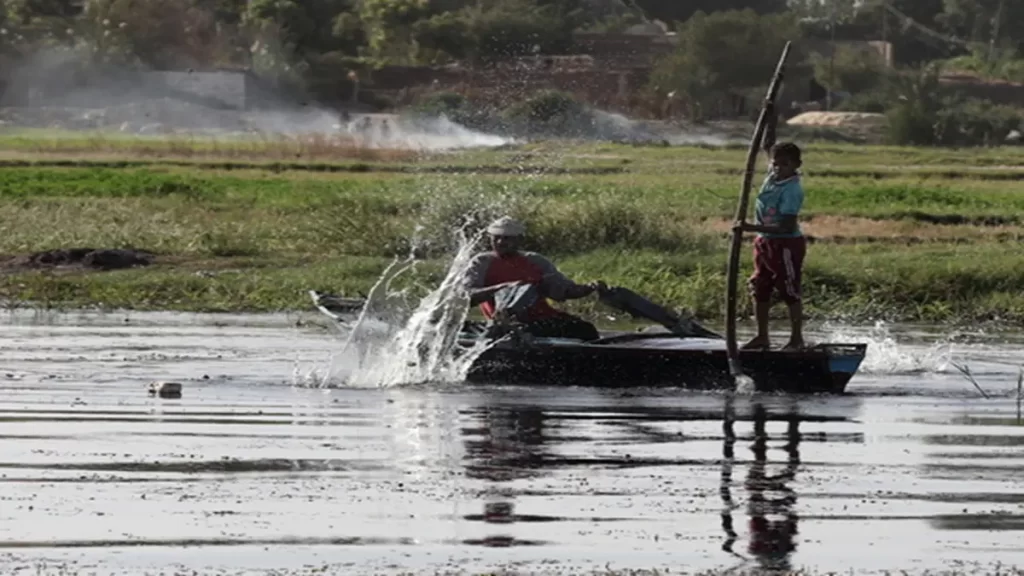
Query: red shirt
(516, 268)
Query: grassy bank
(915, 234)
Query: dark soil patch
(299, 166)
(81, 258)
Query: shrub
(877, 101)
(852, 70)
(551, 113)
(438, 103)
(456, 108)
(910, 123)
(969, 122)
(977, 122)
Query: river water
(254, 471)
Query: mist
(59, 89)
(618, 127)
(62, 89)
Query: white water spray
(886, 356)
(419, 346)
(744, 385)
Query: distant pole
(831, 57)
(354, 78)
(885, 23)
(995, 31)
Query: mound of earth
(867, 120)
(89, 258)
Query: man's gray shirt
(554, 283)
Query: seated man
(507, 266)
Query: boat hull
(643, 359)
(668, 362)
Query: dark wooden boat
(643, 359)
(626, 360)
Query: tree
(308, 26)
(724, 54)
(519, 27)
(852, 70)
(681, 11)
(389, 27)
(27, 10)
(914, 27)
(228, 12)
(170, 34)
(497, 30)
(445, 35)
(826, 10)
(993, 23)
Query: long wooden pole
(741, 216)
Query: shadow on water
(510, 442)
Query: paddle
(637, 306)
(741, 215)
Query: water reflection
(728, 461)
(772, 498)
(510, 441)
(507, 443)
(770, 503)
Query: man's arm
(556, 285)
(476, 274)
(478, 296)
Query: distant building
(77, 86)
(226, 89)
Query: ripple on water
(912, 470)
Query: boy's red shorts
(778, 264)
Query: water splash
(744, 385)
(887, 356)
(388, 346)
(310, 377)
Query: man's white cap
(506, 226)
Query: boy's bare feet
(757, 343)
(794, 344)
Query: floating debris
(165, 389)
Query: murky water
(248, 473)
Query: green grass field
(897, 233)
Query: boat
(659, 356)
(639, 359)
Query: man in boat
(780, 246)
(506, 266)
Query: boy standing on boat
(505, 266)
(780, 245)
